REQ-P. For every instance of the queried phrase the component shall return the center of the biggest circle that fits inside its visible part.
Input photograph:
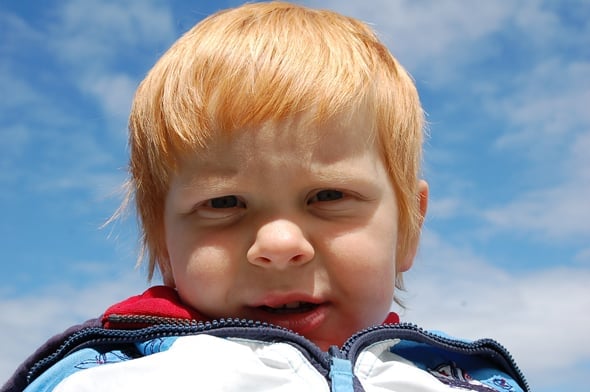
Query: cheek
(369, 290)
(200, 263)
(202, 271)
(365, 261)
(205, 282)
(364, 266)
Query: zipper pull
(341, 375)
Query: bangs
(223, 77)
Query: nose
(278, 244)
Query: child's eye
(220, 207)
(326, 195)
(224, 202)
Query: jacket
(151, 342)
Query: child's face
(274, 226)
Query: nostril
(299, 259)
(263, 260)
(279, 261)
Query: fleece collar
(163, 302)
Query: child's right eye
(220, 207)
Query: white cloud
(21, 93)
(114, 92)
(99, 41)
(99, 31)
(540, 316)
(541, 110)
(559, 212)
(66, 162)
(33, 318)
(85, 45)
(583, 257)
(422, 34)
(16, 32)
(547, 107)
(444, 207)
(438, 41)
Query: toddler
(275, 158)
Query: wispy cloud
(94, 34)
(519, 68)
(450, 289)
(458, 291)
(534, 100)
(33, 318)
(69, 112)
(114, 92)
(547, 107)
(420, 34)
(99, 42)
(556, 213)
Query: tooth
(293, 305)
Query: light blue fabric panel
(341, 375)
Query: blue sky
(506, 245)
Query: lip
(300, 322)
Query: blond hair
(261, 62)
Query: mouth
(290, 308)
(301, 315)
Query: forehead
(325, 142)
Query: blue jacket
(152, 343)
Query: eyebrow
(210, 182)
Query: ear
(408, 258)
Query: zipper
(161, 327)
(408, 331)
(228, 328)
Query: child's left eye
(224, 202)
(326, 195)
